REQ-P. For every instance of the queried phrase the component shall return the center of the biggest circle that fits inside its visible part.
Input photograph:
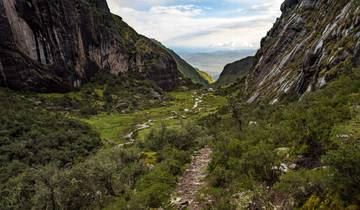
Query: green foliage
(153, 189)
(346, 161)
(32, 138)
(180, 138)
(89, 184)
(105, 93)
(307, 131)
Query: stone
(283, 168)
(343, 136)
(252, 123)
(292, 166)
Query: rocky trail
(184, 196)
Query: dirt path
(191, 181)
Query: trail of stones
(184, 196)
(189, 184)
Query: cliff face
(235, 70)
(311, 43)
(58, 45)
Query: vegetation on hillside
(32, 138)
(289, 154)
(206, 76)
(55, 152)
(302, 153)
(105, 93)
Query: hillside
(206, 76)
(58, 46)
(288, 137)
(234, 71)
(185, 68)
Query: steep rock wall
(311, 43)
(58, 45)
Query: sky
(202, 25)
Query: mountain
(214, 62)
(313, 42)
(235, 70)
(56, 46)
(185, 68)
(289, 138)
(284, 135)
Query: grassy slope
(206, 76)
(114, 126)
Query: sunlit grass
(115, 126)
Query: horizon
(201, 26)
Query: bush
(182, 138)
(31, 138)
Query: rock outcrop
(311, 43)
(58, 45)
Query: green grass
(74, 95)
(185, 100)
(206, 76)
(115, 126)
(350, 128)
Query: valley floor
(118, 128)
(125, 130)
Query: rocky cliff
(58, 45)
(235, 70)
(310, 44)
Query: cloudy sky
(200, 24)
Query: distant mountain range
(213, 62)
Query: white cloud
(186, 25)
(180, 10)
